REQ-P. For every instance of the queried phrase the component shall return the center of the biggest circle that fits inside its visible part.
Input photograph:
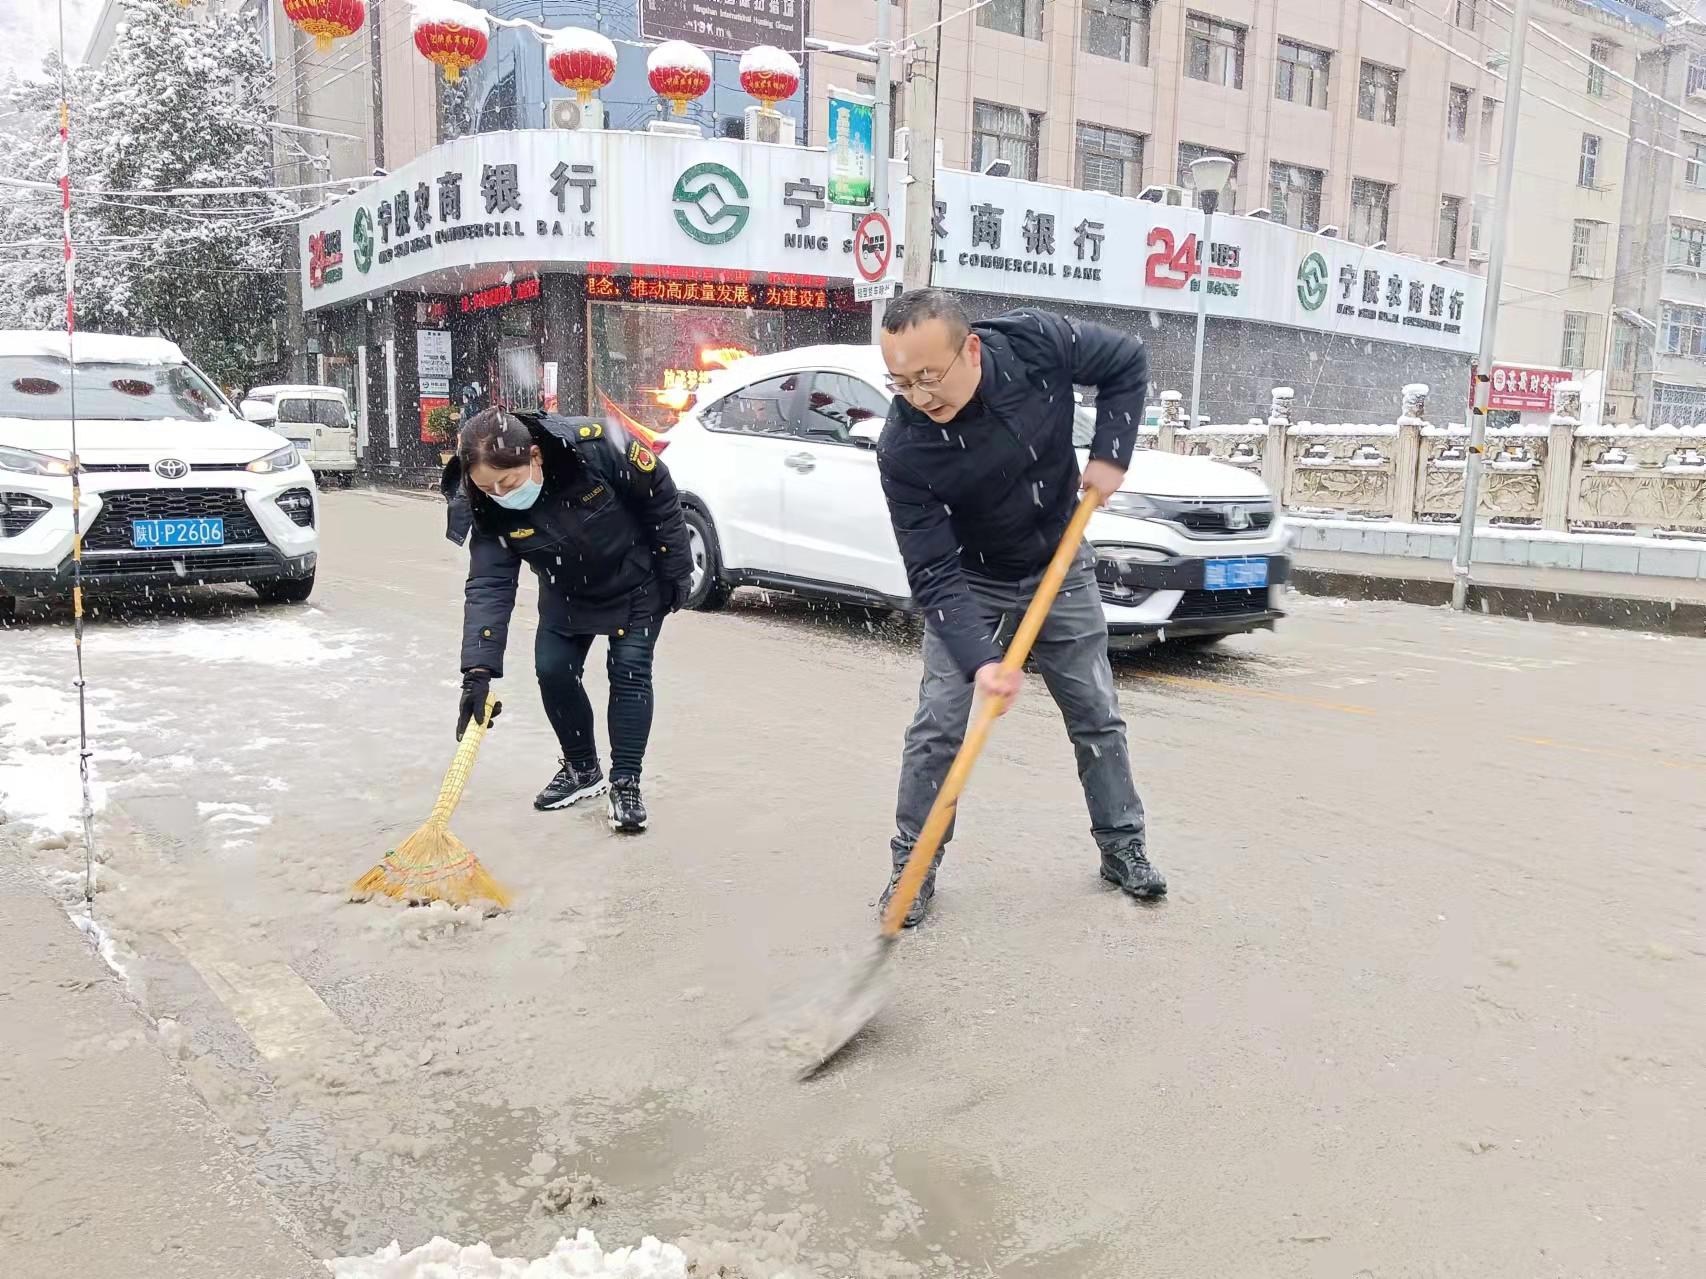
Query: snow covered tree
(32, 271)
(180, 101)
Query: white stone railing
(1559, 477)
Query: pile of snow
(429, 12)
(39, 782)
(579, 1258)
(250, 640)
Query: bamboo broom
(432, 864)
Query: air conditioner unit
(1166, 195)
(568, 113)
(769, 126)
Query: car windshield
(40, 387)
(318, 411)
(1083, 426)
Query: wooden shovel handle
(942, 811)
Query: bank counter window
(647, 361)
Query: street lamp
(1208, 178)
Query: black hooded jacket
(991, 491)
(607, 528)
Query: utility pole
(1490, 313)
(881, 129)
(924, 15)
(1209, 176)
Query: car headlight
(283, 459)
(1128, 555)
(1135, 505)
(24, 462)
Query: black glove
(475, 686)
(676, 591)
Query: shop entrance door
(520, 375)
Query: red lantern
(581, 60)
(452, 34)
(769, 74)
(326, 20)
(680, 72)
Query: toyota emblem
(171, 468)
(1237, 517)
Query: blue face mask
(522, 496)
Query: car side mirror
(259, 412)
(866, 433)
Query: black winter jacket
(605, 530)
(992, 491)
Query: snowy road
(1427, 997)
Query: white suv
(177, 489)
(778, 474)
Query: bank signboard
(458, 217)
(1003, 235)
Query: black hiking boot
(570, 786)
(627, 809)
(920, 904)
(1126, 866)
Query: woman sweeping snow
(597, 518)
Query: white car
(177, 489)
(777, 468)
(314, 418)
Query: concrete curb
(1671, 617)
(110, 1163)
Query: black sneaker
(920, 904)
(627, 809)
(570, 786)
(1130, 869)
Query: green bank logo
(363, 237)
(715, 200)
(1312, 282)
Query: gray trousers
(1072, 653)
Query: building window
(1457, 114)
(1599, 53)
(1189, 151)
(1301, 74)
(1450, 217)
(1480, 207)
(1214, 51)
(1587, 248)
(1001, 132)
(1294, 195)
(1489, 117)
(1015, 17)
(1682, 330)
(1117, 29)
(1109, 160)
(1377, 94)
(1466, 14)
(1371, 204)
(1694, 156)
(1687, 246)
(1697, 72)
(1587, 167)
(1581, 339)
(1623, 352)
(1679, 404)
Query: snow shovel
(831, 1015)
